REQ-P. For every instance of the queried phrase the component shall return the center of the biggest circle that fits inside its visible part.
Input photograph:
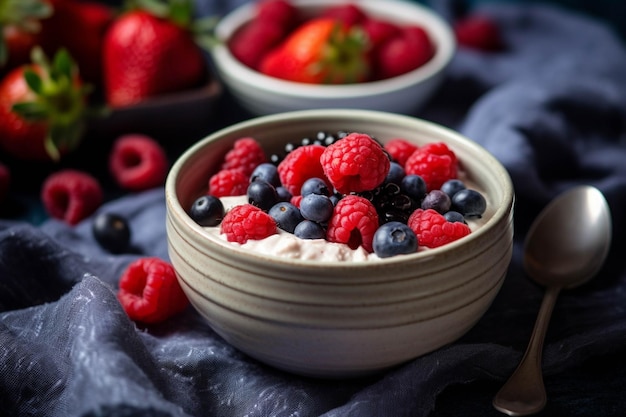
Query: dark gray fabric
(552, 108)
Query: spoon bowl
(565, 247)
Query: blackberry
(391, 204)
(321, 137)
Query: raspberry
(5, 181)
(149, 291)
(228, 182)
(245, 155)
(478, 32)
(355, 163)
(434, 162)
(400, 149)
(246, 222)
(354, 222)
(299, 165)
(138, 162)
(433, 230)
(71, 195)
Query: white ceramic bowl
(263, 95)
(338, 319)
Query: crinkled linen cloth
(551, 108)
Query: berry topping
(316, 207)
(245, 222)
(451, 187)
(299, 165)
(414, 186)
(207, 211)
(262, 194)
(308, 229)
(112, 232)
(355, 163)
(354, 223)
(394, 238)
(138, 162)
(434, 162)
(400, 149)
(315, 186)
(469, 202)
(245, 155)
(286, 215)
(433, 230)
(437, 200)
(228, 182)
(71, 195)
(149, 291)
(266, 172)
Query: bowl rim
(175, 208)
(437, 27)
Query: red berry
(433, 230)
(277, 12)
(355, 163)
(138, 162)
(245, 222)
(478, 32)
(378, 31)
(408, 50)
(5, 181)
(228, 182)
(245, 155)
(354, 222)
(348, 13)
(299, 165)
(71, 195)
(149, 291)
(250, 44)
(400, 149)
(434, 162)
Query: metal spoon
(565, 247)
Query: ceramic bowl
(406, 93)
(338, 319)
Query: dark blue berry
(454, 216)
(207, 211)
(394, 238)
(262, 194)
(307, 229)
(436, 200)
(112, 232)
(283, 194)
(414, 186)
(286, 215)
(335, 197)
(395, 174)
(266, 172)
(469, 202)
(451, 187)
(314, 186)
(316, 207)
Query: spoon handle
(524, 392)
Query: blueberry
(335, 197)
(266, 172)
(112, 232)
(307, 229)
(283, 194)
(314, 186)
(207, 211)
(414, 186)
(394, 238)
(286, 215)
(469, 202)
(451, 187)
(262, 194)
(317, 208)
(395, 174)
(454, 216)
(436, 200)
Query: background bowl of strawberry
(388, 56)
(338, 319)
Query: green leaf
(34, 81)
(51, 148)
(4, 50)
(32, 111)
(63, 64)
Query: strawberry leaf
(32, 111)
(63, 66)
(34, 81)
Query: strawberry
(79, 27)
(148, 53)
(478, 32)
(402, 53)
(320, 51)
(43, 108)
(350, 14)
(20, 20)
(250, 44)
